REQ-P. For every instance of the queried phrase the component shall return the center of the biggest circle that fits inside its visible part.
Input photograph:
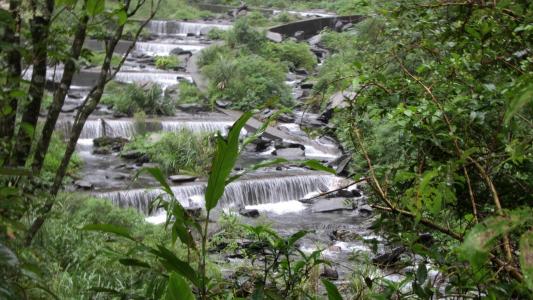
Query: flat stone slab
(331, 205)
(182, 178)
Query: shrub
(297, 55)
(53, 158)
(211, 54)
(243, 36)
(176, 152)
(189, 93)
(216, 34)
(132, 98)
(249, 81)
(167, 62)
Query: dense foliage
(132, 98)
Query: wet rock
(120, 177)
(250, 213)
(425, 239)
(68, 108)
(329, 273)
(334, 248)
(290, 153)
(340, 193)
(365, 210)
(112, 143)
(315, 40)
(308, 84)
(344, 235)
(194, 212)
(286, 118)
(280, 144)
(75, 95)
(301, 71)
(338, 100)
(117, 114)
(191, 107)
(181, 178)
(331, 205)
(356, 193)
(132, 154)
(338, 26)
(299, 35)
(176, 51)
(262, 144)
(341, 164)
(346, 26)
(222, 103)
(84, 185)
(388, 258)
(102, 151)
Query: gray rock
(84, 185)
(286, 118)
(289, 153)
(315, 40)
(280, 144)
(338, 100)
(331, 205)
(346, 26)
(222, 103)
(356, 193)
(181, 178)
(194, 212)
(301, 71)
(308, 84)
(75, 95)
(176, 51)
(329, 273)
(68, 108)
(365, 210)
(250, 213)
(344, 235)
(299, 35)
(338, 26)
(262, 144)
(191, 107)
(388, 258)
(113, 143)
(131, 154)
(340, 194)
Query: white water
(153, 49)
(271, 188)
(176, 28)
(164, 79)
(200, 126)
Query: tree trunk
(59, 95)
(83, 113)
(39, 29)
(13, 57)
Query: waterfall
(163, 48)
(120, 128)
(92, 128)
(196, 126)
(255, 190)
(164, 79)
(176, 28)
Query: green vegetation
(175, 10)
(189, 93)
(131, 98)
(176, 152)
(53, 159)
(167, 62)
(296, 55)
(97, 59)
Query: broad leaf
(132, 262)
(333, 292)
(316, 165)
(95, 7)
(223, 162)
(526, 258)
(109, 228)
(178, 288)
(173, 263)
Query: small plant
(189, 93)
(216, 34)
(132, 98)
(296, 55)
(167, 62)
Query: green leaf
(223, 162)
(172, 263)
(526, 257)
(109, 228)
(95, 7)
(523, 97)
(122, 17)
(421, 273)
(333, 292)
(316, 165)
(178, 288)
(7, 257)
(159, 176)
(132, 262)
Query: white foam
(279, 208)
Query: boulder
(280, 144)
(308, 84)
(176, 51)
(301, 71)
(250, 213)
(365, 210)
(75, 95)
(181, 178)
(84, 185)
(113, 143)
(299, 35)
(191, 107)
(68, 108)
(346, 26)
(425, 239)
(290, 153)
(329, 273)
(194, 212)
(340, 194)
(388, 258)
(132, 154)
(262, 144)
(338, 100)
(222, 103)
(331, 205)
(344, 235)
(315, 40)
(102, 151)
(356, 193)
(286, 118)
(338, 26)
(341, 164)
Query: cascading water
(196, 126)
(164, 49)
(175, 28)
(119, 128)
(164, 79)
(260, 189)
(91, 130)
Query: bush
(210, 54)
(131, 98)
(77, 260)
(53, 158)
(216, 34)
(177, 152)
(189, 93)
(248, 81)
(243, 36)
(167, 62)
(297, 55)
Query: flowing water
(180, 28)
